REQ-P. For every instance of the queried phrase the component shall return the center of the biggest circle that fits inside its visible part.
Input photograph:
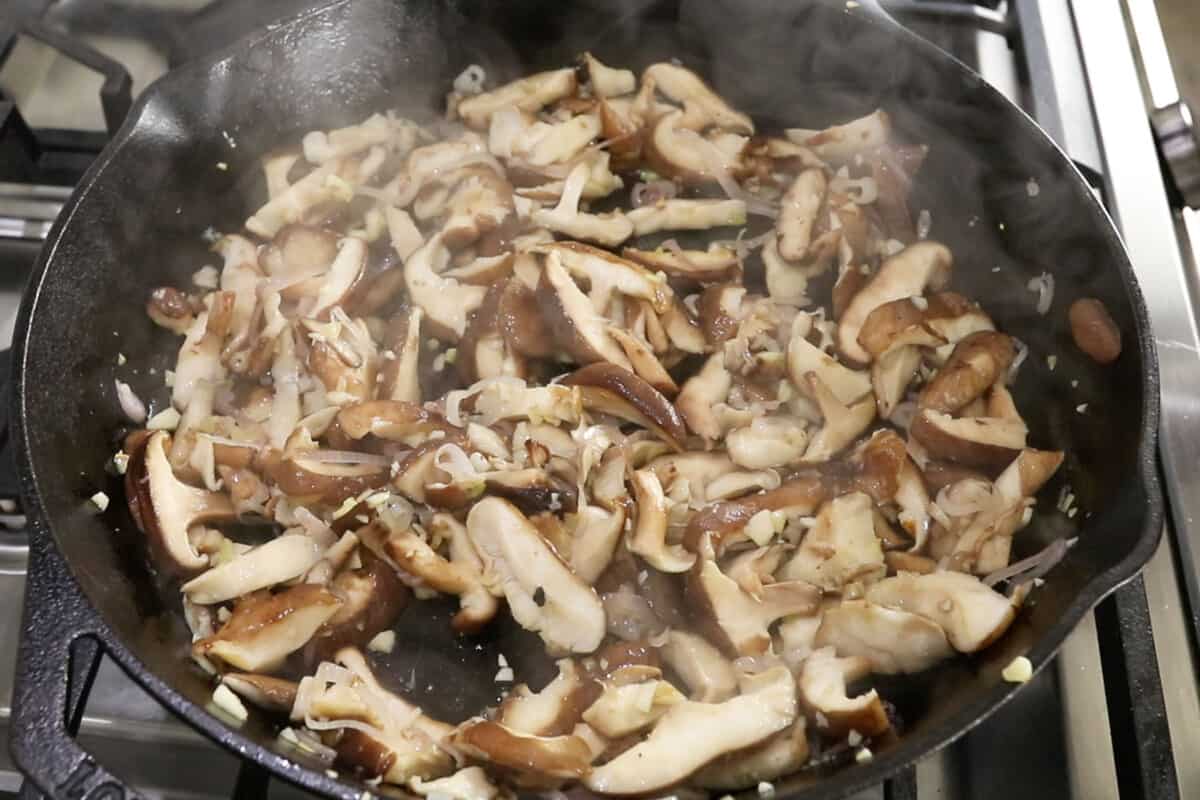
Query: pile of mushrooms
(691, 402)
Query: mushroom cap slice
(594, 540)
(395, 420)
(709, 676)
(531, 93)
(645, 365)
(626, 708)
(555, 709)
(613, 390)
(840, 143)
(701, 392)
(650, 534)
(414, 555)
(692, 734)
(702, 106)
(687, 215)
(263, 631)
(989, 443)
(842, 424)
(736, 621)
(840, 547)
(533, 761)
(265, 691)
(910, 272)
(768, 442)
(780, 755)
(894, 641)
(822, 682)
(972, 614)
(715, 525)
(608, 81)
(164, 507)
(372, 599)
(803, 357)
(518, 561)
(606, 273)
(718, 263)
(573, 321)
(977, 362)
(672, 149)
(913, 321)
(798, 214)
(281, 559)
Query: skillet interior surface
(1008, 204)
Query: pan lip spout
(840, 783)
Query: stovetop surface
(1062, 736)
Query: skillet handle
(56, 662)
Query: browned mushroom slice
(608, 81)
(532, 761)
(531, 93)
(718, 524)
(780, 755)
(394, 420)
(644, 362)
(171, 309)
(281, 559)
(972, 615)
(892, 640)
(606, 273)
(673, 150)
(554, 710)
(372, 599)
(840, 547)
(613, 390)
(891, 373)
(709, 676)
(572, 319)
(265, 691)
(721, 311)
(625, 708)
(822, 683)
(840, 143)
(164, 508)
(736, 621)
(913, 321)
(687, 215)
(910, 272)
(519, 316)
(978, 361)
(842, 423)
(716, 264)
(989, 443)
(702, 106)
(570, 617)
(700, 393)
(262, 631)
(399, 374)
(309, 479)
(692, 734)
(650, 535)
(414, 555)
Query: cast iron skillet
(1000, 194)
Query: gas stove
(1115, 719)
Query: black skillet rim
(839, 784)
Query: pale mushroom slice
(445, 302)
(787, 282)
(606, 273)
(608, 81)
(480, 203)
(328, 183)
(798, 214)
(649, 538)
(687, 215)
(839, 144)
(766, 442)
(530, 761)
(842, 423)
(989, 443)
(822, 687)
(840, 547)
(718, 263)
(976, 364)
(555, 709)
(594, 540)
(692, 734)
(343, 274)
(608, 230)
(165, 508)
(531, 93)
(972, 615)
(519, 562)
(399, 377)
(736, 621)
(920, 266)
(894, 641)
(702, 106)
(673, 150)
(847, 385)
(322, 146)
(625, 708)
(263, 631)
(891, 374)
(557, 143)
(279, 560)
(700, 393)
(780, 755)
(580, 329)
(709, 676)
(468, 783)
